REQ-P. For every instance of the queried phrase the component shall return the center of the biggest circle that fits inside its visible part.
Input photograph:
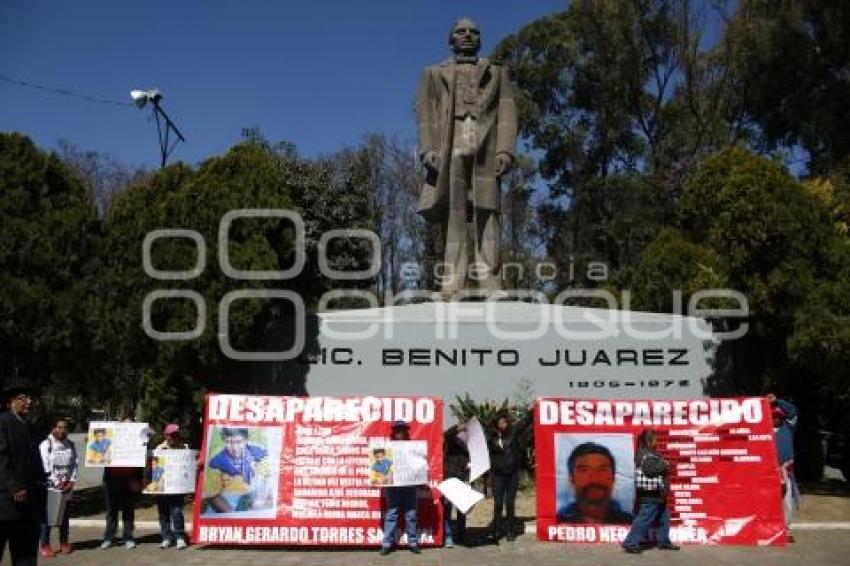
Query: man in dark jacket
(505, 460)
(455, 465)
(22, 480)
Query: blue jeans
(401, 499)
(63, 529)
(447, 521)
(647, 513)
(171, 523)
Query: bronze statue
(467, 141)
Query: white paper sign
(111, 444)
(476, 443)
(170, 471)
(460, 494)
(397, 462)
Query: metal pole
(162, 150)
(163, 139)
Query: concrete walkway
(812, 548)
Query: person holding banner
(401, 499)
(121, 488)
(784, 435)
(787, 407)
(505, 459)
(651, 486)
(455, 465)
(59, 457)
(170, 506)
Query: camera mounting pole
(164, 124)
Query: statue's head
(465, 37)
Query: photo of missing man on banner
(241, 473)
(594, 478)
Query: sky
(318, 73)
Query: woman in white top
(59, 457)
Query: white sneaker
(130, 544)
(165, 543)
(181, 543)
(105, 544)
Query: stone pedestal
(499, 350)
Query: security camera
(141, 97)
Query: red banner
(295, 470)
(723, 485)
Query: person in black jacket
(22, 481)
(455, 465)
(505, 460)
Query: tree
(670, 264)
(748, 225)
(169, 378)
(523, 235)
(103, 176)
(49, 240)
(795, 60)
(622, 100)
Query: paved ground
(812, 548)
(828, 502)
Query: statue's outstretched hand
(431, 160)
(503, 163)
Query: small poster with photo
(116, 444)
(170, 471)
(397, 462)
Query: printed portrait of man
(591, 477)
(157, 474)
(238, 477)
(99, 449)
(382, 468)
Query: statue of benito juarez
(467, 141)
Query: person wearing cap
(22, 480)
(784, 437)
(402, 499)
(59, 457)
(170, 506)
